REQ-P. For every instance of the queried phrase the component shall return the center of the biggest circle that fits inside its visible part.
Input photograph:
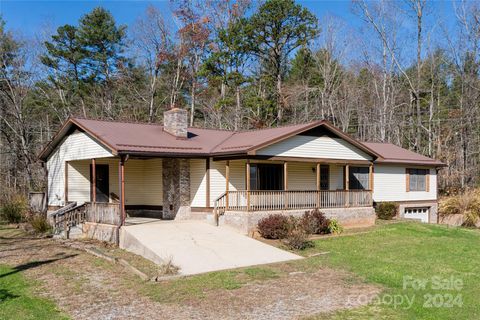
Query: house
(120, 169)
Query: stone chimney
(175, 122)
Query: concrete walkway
(198, 247)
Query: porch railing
(291, 199)
(67, 217)
(106, 213)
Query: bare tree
(153, 39)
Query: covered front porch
(292, 185)
(116, 188)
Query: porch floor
(197, 247)
(130, 221)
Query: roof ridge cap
(279, 127)
(119, 121)
(213, 129)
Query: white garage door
(417, 214)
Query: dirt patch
(87, 287)
(293, 296)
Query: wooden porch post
(227, 179)
(121, 188)
(347, 177)
(285, 183)
(370, 177)
(318, 185)
(94, 181)
(207, 177)
(347, 185)
(248, 184)
(370, 182)
(66, 183)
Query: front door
(101, 183)
(324, 177)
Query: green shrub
(40, 224)
(275, 226)
(386, 210)
(14, 209)
(315, 222)
(335, 227)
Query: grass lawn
(406, 251)
(18, 301)
(384, 256)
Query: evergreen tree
(103, 42)
(272, 33)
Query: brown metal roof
(140, 137)
(391, 153)
(151, 140)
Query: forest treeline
(399, 74)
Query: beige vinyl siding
(336, 177)
(143, 180)
(153, 182)
(76, 146)
(217, 180)
(315, 147)
(134, 182)
(390, 184)
(79, 181)
(301, 176)
(198, 182)
(238, 175)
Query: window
(417, 179)
(359, 178)
(266, 176)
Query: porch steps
(75, 232)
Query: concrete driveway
(197, 247)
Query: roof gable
(318, 147)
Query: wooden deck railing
(69, 216)
(291, 200)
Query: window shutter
(427, 181)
